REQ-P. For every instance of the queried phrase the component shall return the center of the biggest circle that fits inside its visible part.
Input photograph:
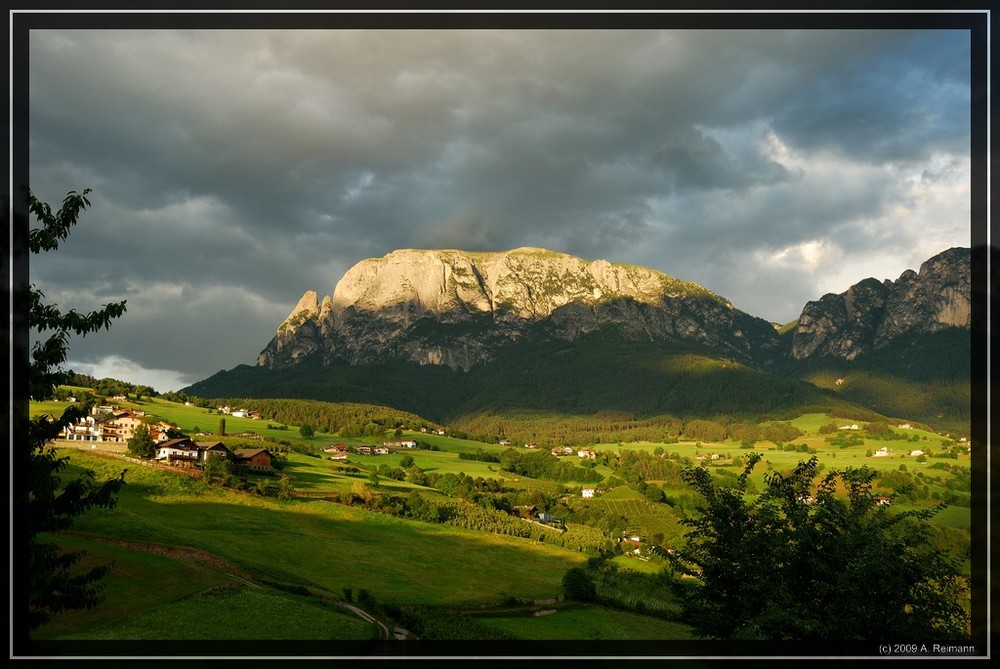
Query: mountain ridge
(525, 328)
(377, 304)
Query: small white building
(916, 453)
(882, 452)
(587, 492)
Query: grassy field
(581, 622)
(150, 596)
(327, 546)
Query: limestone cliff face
(871, 314)
(458, 308)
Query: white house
(916, 453)
(587, 492)
(882, 452)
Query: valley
(432, 539)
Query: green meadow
(310, 551)
(326, 546)
(582, 622)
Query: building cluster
(111, 424)
(184, 452)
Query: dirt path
(178, 553)
(202, 557)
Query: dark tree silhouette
(795, 564)
(51, 504)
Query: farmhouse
(916, 453)
(212, 449)
(180, 452)
(253, 458)
(336, 448)
(586, 453)
(882, 452)
(587, 492)
(882, 501)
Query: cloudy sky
(233, 170)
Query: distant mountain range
(468, 330)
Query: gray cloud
(234, 170)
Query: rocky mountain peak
(385, 307)
(870, 314)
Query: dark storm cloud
(234, 170)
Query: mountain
(461, 309)
(902, 348)
(871, 315)
(448, 334)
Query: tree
(786, 567)
(50, 504)
(141, 443)
(222, 427)
(307, 431)
(579, 586)
(406, 461)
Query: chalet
(213, 449)
(85, 429)
(882, 501)
(587, 492)
(120, 427)
(562, 450)
(253, 458)
(240, 413)
(179, 452)
(338, 456)
(364, 450)
(532, 445)
(336, 448)
(586, 453)
(381, 450)
(505, 442)
(882, 452)
(916, 453)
